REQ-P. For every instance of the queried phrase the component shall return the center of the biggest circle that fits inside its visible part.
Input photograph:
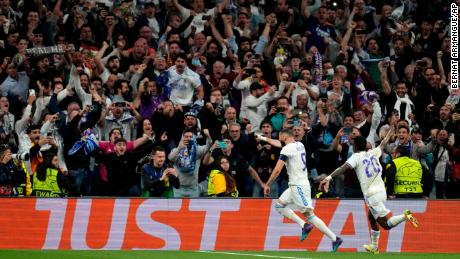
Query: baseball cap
(190, 114)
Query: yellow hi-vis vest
(25, 189)
(49, 187)
(408, 178)
(217, 184)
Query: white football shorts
(299, 195)
(376, 203)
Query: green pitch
(12, 254)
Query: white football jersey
(295, 157)
(369, 171)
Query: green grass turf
(46, 254)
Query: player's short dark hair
(360, 143)
(287, 132)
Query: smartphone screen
(222, 145)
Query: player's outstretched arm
(278, 167)
(324, 184)
(273, 176)
(273, 142)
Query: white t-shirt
(197, 21)
(183, 86)
(295, 157)
(369, 171)
(106, 73)
(298, 91)
(155, 27)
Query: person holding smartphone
(11, 175)
(187, 159)
(250, 76)
(279, 113)
(239, 165)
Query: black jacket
(151, 180)
(10, 176)
(121, 170)
(71, 131)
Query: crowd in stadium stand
(168, 98)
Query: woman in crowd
(221, 182)
(50, 180)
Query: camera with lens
(218, 108)
(332, 5)
(22, 156)
(250, 71)
(92, 108)
(360, 32)
(421, 63)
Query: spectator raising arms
(182, 75)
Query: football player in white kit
(369, 171)
(293, 155)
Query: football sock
(375, 238)
(396, 220)
(288, 213)
(317, 222)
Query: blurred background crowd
(165, 98)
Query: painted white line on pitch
(255, 255)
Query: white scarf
(409, 107)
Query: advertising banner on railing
(215, 224)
